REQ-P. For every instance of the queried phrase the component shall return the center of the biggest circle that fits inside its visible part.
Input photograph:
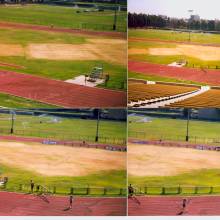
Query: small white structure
(83, 81)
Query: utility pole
(115, 18)
(187, 126)
(97, 126)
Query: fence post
(71, 191)
(54, 190)
(179, 190)
(211, 190)
(88, 191)
(163, 192)
(121, 192)
(145, 190)
(196, 190)
(20, 187)
(104, 191)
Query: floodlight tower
(12, 121)
(97, 126)
(190, 13)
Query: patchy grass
(173, 129)
(62, 17)
(67, 129)
(175, 36)
(17, 102)
(115, 179)
(152, 77)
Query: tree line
(122, 2)
(159, 21)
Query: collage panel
(68, 54)
(173, 162)
(173, 54)
(63, 162)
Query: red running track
(57, 92)
(14, 204)
(211, 77)
(172, 206)
(62, 30)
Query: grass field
(151, 77)
(202, 177)
(112, 179)
(173, 129)
(64, 129)
(61, 17)
(16, 102)
(195, 59)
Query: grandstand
(208, 99)
(144, 94)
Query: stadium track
(57, 92)
(63, 30)
(210, 77)
(171, 206)
(15, 204)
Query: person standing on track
(70, 202)
(183, 208)
(130, 191)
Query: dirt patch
(206, 53)
(55, 160)
(148, 160)
(135, 51)
(109, 50)
(11, 50)
(60, 52)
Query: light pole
(12, 122)
(97, 126)
(190, 13)
(187, 126)
(115, 17)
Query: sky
(206, 9)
